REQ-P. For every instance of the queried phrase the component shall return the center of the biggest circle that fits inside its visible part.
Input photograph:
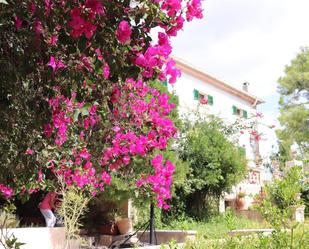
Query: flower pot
(108, 229)
(240, 203)
(124, 225)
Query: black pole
(151, 224)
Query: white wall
(40, 237)
(222, 106)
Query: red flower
(204, 101)
(55, 64)
(124, 32)
(80, 26)
(29, 152)
(18, 22)
(95, 6)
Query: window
(239, 112)
(196, 94)
(204, 98)
(210, 100)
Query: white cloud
(247, 40)
(241, 40)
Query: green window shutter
(234, 108)
(164, 83)
(196, 94)
(245, 114)
(210, 100)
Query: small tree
(73, 207)
(282, 196)
(215, 163)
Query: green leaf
(75, 116)
(84, 110)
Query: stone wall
(41, 237)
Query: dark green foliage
(294, 112)
(215, 166)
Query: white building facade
(230, 104)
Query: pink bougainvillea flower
(126, 160)
(32, 190)
(53, 40)
(38, 28)
(55, 64)
(177, 25)
(172, 71)
(93, 109)
(194, 9)
(40, 176)
(18, 22)
(106, 178)
(166, 206)
(48, 6)
(88, 165)
(89, 29)
(255, 135)
(99, 54)
(52, 63)
(172, 7)
(80, 26)
(60, 64)
(87, 63)
(124, 32)
(85, 154)
(95, 5)
(48, 130)
(116, 129)
(259, 115)
(6, 191)
(106, 71)
(29, 152)
(32, 8)
(77, 23)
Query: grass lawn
(216, 227)
(212, 234)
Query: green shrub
(282, 196)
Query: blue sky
(247, 40)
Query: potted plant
(101, 219)
(116, 196)
(240, 200)
(124, 224)
(107, 225)
(106, 220)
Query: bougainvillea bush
(74, 94)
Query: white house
(229, 103)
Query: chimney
(245, 86)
